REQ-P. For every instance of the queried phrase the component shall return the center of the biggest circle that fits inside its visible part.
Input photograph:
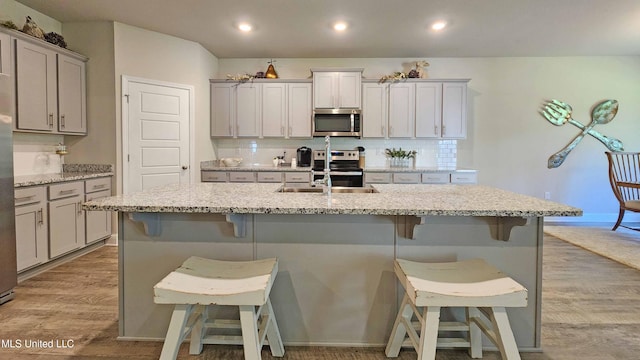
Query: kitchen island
(335, 284)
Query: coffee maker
(304, 156)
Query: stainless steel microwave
(337, 122)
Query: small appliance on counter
(303, 156)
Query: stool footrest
(443, 343)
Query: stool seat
(199, 284)
(485, 293)
(463, 283)
(206, 281)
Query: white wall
(16, 12)
(508, 141)
(151, 55)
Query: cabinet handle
(62, 123)
(79, 207)
(382, 130)
(230, 130)
(50, 120)
(98, 186)
(66, 192)
(237, 129)
(444, 129)
(24, 198)
(290, 130)
(435, 129)
(390, 130)
(281, 130)
(40, 217)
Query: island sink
(335, 189)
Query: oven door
(342, 178)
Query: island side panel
(335, 284)
(443, 239)
(145, 260)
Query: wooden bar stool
(473, 284)
(199, 283)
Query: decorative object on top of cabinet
(558, 113)
(602, 113)
(271, 71)
(55, 39)
(240, 77)
(420, 65)
(31, 28)
(396, 76)
(9, 24)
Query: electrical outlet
(547, 195)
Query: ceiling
(377, 28)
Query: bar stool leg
(429, 333)
(273, 332)
(250, 340)
(175, 332)
(475, 333)
(399, 331)
(504, 335)
(198, 331)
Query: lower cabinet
(259, 176)
(453, 177)
(31, 227)
(66, 218)
(50, 221)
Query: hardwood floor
(591, 310)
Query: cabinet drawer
(435, 178)
(32, 195)
(267, 177)
(406, 178)
(296, 177)
(94, 185)
(242, 176)
(377, 178)
(464, 178)
(213, 176)
(65, 190)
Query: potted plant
(400, 158)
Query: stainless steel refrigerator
(8, 269)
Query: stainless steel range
(344, 167)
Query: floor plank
(591, 310)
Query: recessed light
(340, 26)
(245, 27)
(439, 25)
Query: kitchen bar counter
(259, 198)
(335, 284)
(45, 179)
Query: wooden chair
(624, 176)
(199, 283)
(482, 289)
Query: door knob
(184, 167)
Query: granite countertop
(72, 172)
(262, 198)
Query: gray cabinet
(50, 88)
(335, 88)
(31, 227)
(98, 223)
(66, 218)
(5, 54)
(430, 177)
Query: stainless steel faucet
(326, 179)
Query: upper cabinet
(337, 88)
(415, 109)
(261, 109)
(50, 85)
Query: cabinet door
(36, 83)
(98, 223)
(299, 110)
(5, 54)
(428, 110)
(31, 235)
(324, 88)
(454, 110)
(222, 109)
(248, 106)
(273, 110)
(349, 85)
(374, 110)
(242, 176)
(66, 226)
(401, 110)
(72, 102)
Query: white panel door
(273, 109)
(428, 110)
(401, 110)
(454, 110)
(158, 145)
(374, 110)
(299, 110)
